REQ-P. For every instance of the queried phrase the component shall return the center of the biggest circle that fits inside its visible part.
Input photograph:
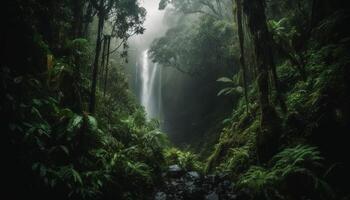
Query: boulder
(175, 171)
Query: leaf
(225, 91)
(92, 122)
(64, 149)
(36, 112)
(227, 120)
(37, 102)
(77, 177)
(75, 123)
(225, 80)
(239, 89)
(66, 112)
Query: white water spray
(150, 97)
(148, 74)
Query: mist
(145, 79)
(175, 99)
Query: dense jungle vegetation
(256, 98)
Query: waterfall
(160, 93)
(150, 88)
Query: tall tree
(101, 13)
(241, 45)
(103, 59)
(267, 138)
(108, 38)
(78, 17)
(127, 17)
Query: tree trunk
(241, 45)
(92, 105)
(267, 138)
(275, 79)
(106, 67)
(87, 20)
(78, 15)
(103, 60)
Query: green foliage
(282, 31)
(299, 161)
(258, 179)
(62, 152)
(236, 160)
(83, 155)
(185, 159)
(83, 133)
(229, 90)
(79, 47)
(80, 53)
(234, 151)
(299, 156)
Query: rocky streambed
(191, 185)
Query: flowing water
(150, 78)
(147, 75)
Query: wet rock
(175, 171)
(174, 183)
(193, 190)
(160, 196)
(232, 196)
(212, 196)
(193, 175)
(180, 184)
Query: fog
(155, 26)
(166, 93)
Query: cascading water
(146, 75)
(150, 87)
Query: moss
(236, 161)
(231, 139)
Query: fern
(185, 159)
(299, 156)
(300, 159)
(258, 179)
(237, 159)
